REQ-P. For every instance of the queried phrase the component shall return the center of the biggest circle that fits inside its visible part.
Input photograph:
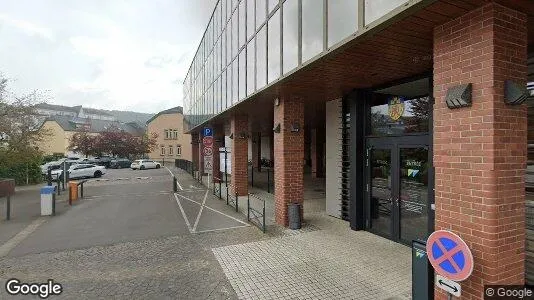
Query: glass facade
(249, 44)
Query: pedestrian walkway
(330, 261)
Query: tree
(113, 141)
(84, 143)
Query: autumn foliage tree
(114, 142)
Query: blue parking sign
(208, 132)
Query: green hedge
(24, 169)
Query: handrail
(258, 217)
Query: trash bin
(422, 272)
(293, 214)
(48, 198)
(73, 190)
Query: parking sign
(207, 132)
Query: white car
(142, 164)
(86, 170)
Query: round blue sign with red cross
(449, 255)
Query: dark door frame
(359, 101)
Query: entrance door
(398, 204)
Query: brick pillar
(194, 150)
(239, 124)
(288, 156)
(256, 151)
(480, 151)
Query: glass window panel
(342, 19)
(260, 13)
(374, 9)
(228, 9)
(224, 90)
(251, 18)
(229, 44)
(235, 81)
(242, 24)
(223, 12)
(290, 35)
(223, 48)
(272, 5)
(274, 47)
(242, 74)
(312, 29)
(235, 36)
(251, 53)
(395, 115)
(261, 59)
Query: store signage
(396, 107)
(449, 255)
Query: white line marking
(179, 186)
(212, 209)
(200, 211)
(183, 214)
(218, 229)
(19, 237)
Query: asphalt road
(133, 237)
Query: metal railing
(256, 216)
(231, 198)
(257, 178)
(217, 187)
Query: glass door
(398, 190)
(381, 191)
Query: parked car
(103, 161)
(54, 165)
(86, 170)
(142, 164)
(120, 163)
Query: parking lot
(131, 235)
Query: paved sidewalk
(25, 208)
(324, 261)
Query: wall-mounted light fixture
(276, 129)
(295, 127)
(459, 96)
(514, 93)
(232, 136)
(276, 101)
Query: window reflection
(290, 35)
(342, 19)
(260, 12)
(272, 4)
(274, 47)
(242, 24)
(223, 90)
(312, 29)
(395, 115)
(235, 36)
(261, 59)
(251, 18)
(251, 53)
(235, 81)
(374, 9)
(242, 74)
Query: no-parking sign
(449, 255)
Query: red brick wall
(480, 151)
(239, 124)
(288, 156)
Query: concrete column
(480, 151)
(288, 156)
(239, 127)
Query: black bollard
(49, 176)
(8, 211)
(174, 184)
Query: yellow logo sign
(396, 108)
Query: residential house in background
(62, 127)
(172, 142)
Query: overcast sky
(110, 54)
